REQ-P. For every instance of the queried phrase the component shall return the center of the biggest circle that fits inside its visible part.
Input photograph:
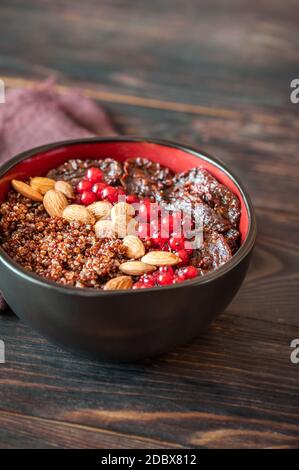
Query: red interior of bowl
(176, 159)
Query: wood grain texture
(261, 148)
(214, 75)
(237, 378)
(197, 51)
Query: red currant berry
(177, 280)
(110, 194)
(94, 175)
(148, 280)
(183, 254)
(87, 198)
(158, 241)
(176, 243)
(139, 285)
(121, 195)
(83, 186)
(166, 269)
(190, 272)
(98, 188)
(132, 198)
(180, 273)
(164, 279)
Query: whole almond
(100, 209)
(161, 258)
(26, 190)
(136, 268)
(122, 209)
(77, 213)
(132, 226)
(104, 229)
(119, 283)
(135, 247)
(120, 225)
(65, 188)
(125, 225)
(42, 184)
(55, 202)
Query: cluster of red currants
(92, 188)
(166, 275)
(164, 231)
(161, 228)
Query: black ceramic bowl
(123, 325)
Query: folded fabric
(37, 116)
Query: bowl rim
(243, 251)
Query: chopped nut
(65, 188)
(161, 258)
(100, 209)
(122, 209)
(77, 213)
(26, 190)
(119, 283)
(136, 268)
(41, 184)
(55, 202)
(135, 247)
(104, 229)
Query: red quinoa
(68, 253)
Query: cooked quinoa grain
(67, 253)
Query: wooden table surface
(210, 74)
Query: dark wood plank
(223, 386)
(270, 290)
(41, 433)
(215, 53)
(263, 154)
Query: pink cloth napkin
(38, 116)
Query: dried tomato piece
(199, 181)
(112, 170)
(233, 237)
(179, 199)
(214, 252)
